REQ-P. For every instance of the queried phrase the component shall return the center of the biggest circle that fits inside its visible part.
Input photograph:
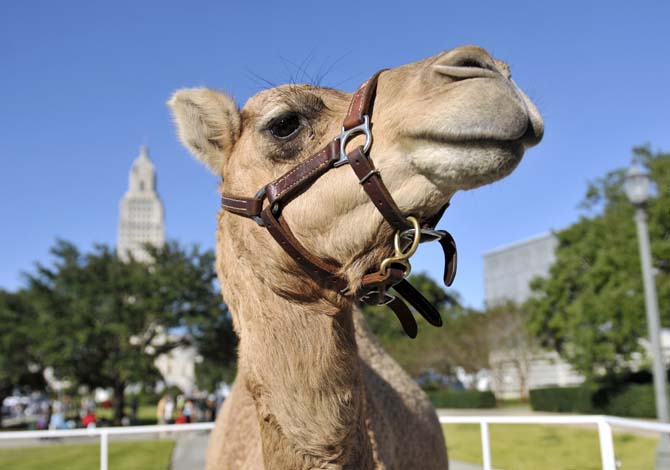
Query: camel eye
(286, 126)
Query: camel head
(454, 121)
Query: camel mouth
(464, 164)
(475, 140)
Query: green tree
(591, 308)
(20, 367)
(104, 321)
(190, 280)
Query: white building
(508, 270)
(140, 211)
(178, 366)
(507, 274)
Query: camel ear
(208, 124)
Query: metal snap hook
(401, 257)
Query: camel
(314, 388)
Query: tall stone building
(140, 211)
(141, 222)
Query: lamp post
(636, 186)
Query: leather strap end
(404, 316)
(450, 257)
(419, 302)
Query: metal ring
(383, 268)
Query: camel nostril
(469, 62)
(465, 62)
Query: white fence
(104, 434)
(603, 423)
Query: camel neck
(302, 369)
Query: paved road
(189, 451)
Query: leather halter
(393, 271)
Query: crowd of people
(38, 411)
(183, 409)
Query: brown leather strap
(246, 206)
(361, 102)
(371, 181)
(405, 316)
(381, 282)
(419, 302)
(324, 272)
(450, 256)
(297, 179)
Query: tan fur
(314, 388)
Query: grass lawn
(546, 447)
(130, 455)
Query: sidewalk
(190, 450)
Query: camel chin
(452, 167)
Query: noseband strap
(375, 286)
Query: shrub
(445, 398)
(562, 399)
(637, 400)
(632, 400)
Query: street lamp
(636, 186)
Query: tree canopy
(591, 306)
(20, 366)
(101, 321)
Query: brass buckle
(402, 257)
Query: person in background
(188, 410)
(160, 410)
(89, 420)
(168, 410)
(134, 405)
(181, 419)
(211, 408)
(57, 420)
(180, 401)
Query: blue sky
(84, 84)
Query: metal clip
(347, 134)
(427, 235)
(401, 257)
(380, 299)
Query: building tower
(140, 211)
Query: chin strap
(410, 232)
